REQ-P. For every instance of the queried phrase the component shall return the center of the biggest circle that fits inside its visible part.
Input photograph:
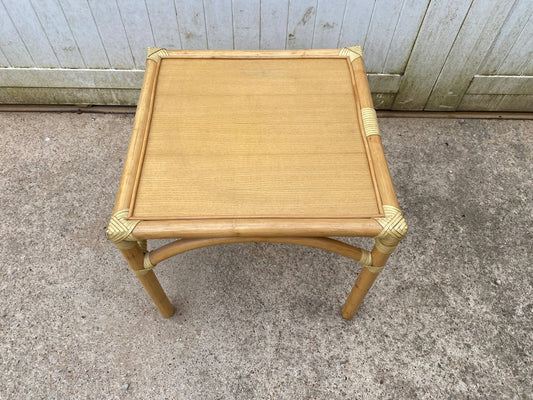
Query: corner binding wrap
(370, 121)
(155, 53)
(394, 229)
(148, 266)
(352, 52)
(119, 231)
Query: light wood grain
(183, 245)
(255, 138)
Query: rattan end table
(255, 146)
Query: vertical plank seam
(126, 34)
(259, 44)
(45, 33)
(287, 27)
(481, 62)
(99, 34)
(150, 22)
(7, 59)
(205, 25)
(392, 38)
(20, 37)
(233, 24)
(177, 23)
(436, 78)
(369, 24)
(314, 26)
(491, 48)
(342, 26)
(72, 34)
(510, 48)
(428, 5)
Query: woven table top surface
(253, 138)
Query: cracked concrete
(450, 316)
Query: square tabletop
(251, 135)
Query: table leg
(364, 282)
(135, 258)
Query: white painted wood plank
(480, 27)
(409, 22)
(516, 103)
(301, 23)
(121, 97)
(480, 102)
(274, 18)
(433, 44)
(508, 35)
(356, 21)
(3, 60)
(11, 44)
(71, 78)
(85, 32)
(380, 33)
(164, 23)
(517, 60)
(219, 22)
(501, 84)
(112, 33)
(329, 17)
(31, 32)
(138, 28)
(492, 102)
(191, 22)
(384, 83)
(57, 30)
(246, 24)
(382, 101)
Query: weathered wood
(501, 84)
(138, 28)
(164, 24)
(328, 23)
(404, 36)
(429, 52)
(58, 32)
(12, 47)
(468, 51)
(246, 24)
(380, 33)
(47, 95)
(500, 102)
(507, 37)
(191, 22)
(112, 33)
(71, 78)
(455, 41)
(357, 17)
(85, 32)
(219, 24)
(274, 19)
(29, 29)
(301, 24)
(520, 56)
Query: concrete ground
(451, 317)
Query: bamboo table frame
(130, 232)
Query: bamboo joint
(119, 231)
(147, 264)
(394, 229)
(155, 53)
(370, 121)
(352, 52)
